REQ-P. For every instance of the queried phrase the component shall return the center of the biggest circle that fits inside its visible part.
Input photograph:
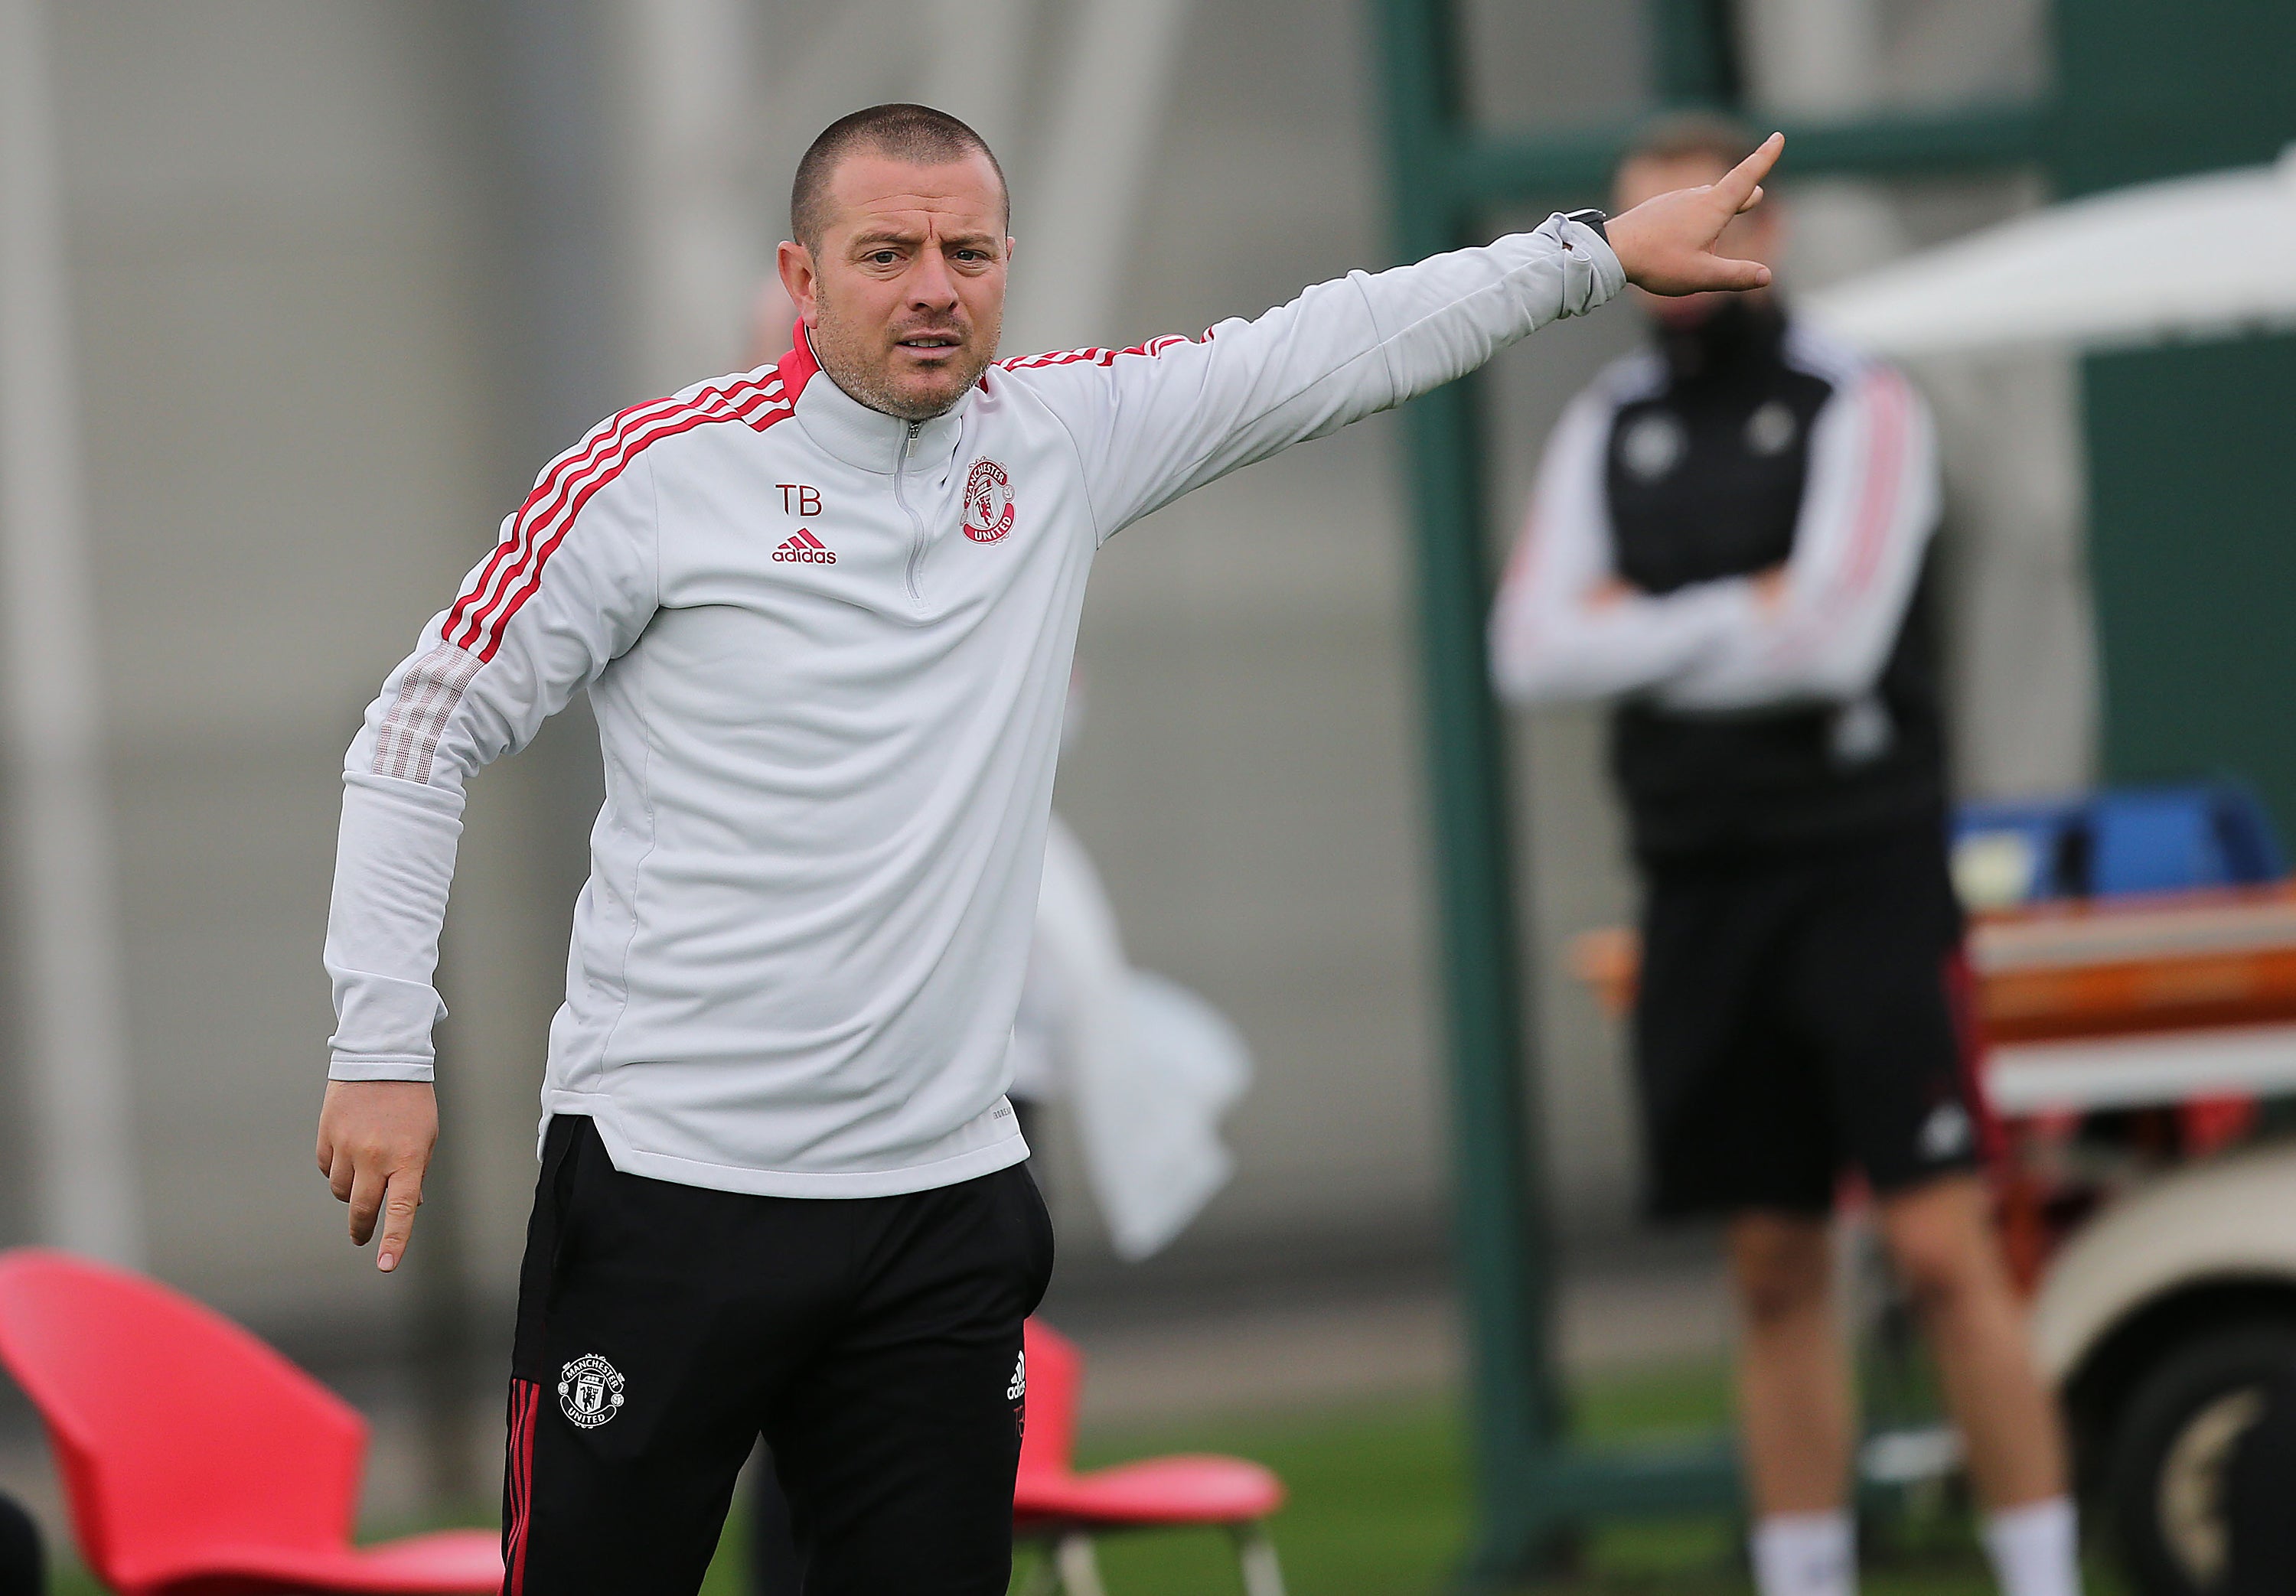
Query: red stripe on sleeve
(1885, 468)
(544, 501)
(1155, 345)
(510, 577)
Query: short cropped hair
(911, 133)
(1688, 134)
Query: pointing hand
(1667, 244)
(375, 1139)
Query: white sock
(1806, 1554)
(2035, 1549)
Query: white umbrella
(2193, 258)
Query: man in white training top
(824, 612)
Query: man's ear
(799, 280)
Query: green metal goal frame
(1533, 1484)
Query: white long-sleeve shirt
(828, 650)
(1564, 628)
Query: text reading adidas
(806, 549)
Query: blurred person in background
(23, 1569)
(825, 614)
(1729, 538)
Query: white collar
(869, 440)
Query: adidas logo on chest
(805, 549)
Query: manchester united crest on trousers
(589, 1391)
(988, 502)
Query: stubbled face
(904, 292)
(1752, 235)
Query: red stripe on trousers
(526, 1401)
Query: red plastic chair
(193, 1455)
(1062, 1510)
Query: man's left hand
(375, 1139)
(1667, 244)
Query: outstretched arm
(1153, 423)
(1565, 627)
(567, 590)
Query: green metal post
(2192, 534)
(1503, 1246)
(1575, 163)
(1694, 53)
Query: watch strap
(1591, 218)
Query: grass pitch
(1379, 1508)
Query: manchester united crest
(988, 502)
(589, 1391)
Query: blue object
(2114, 841)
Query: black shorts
(1799, 1016)
(875, 1342)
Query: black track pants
(875, 1342)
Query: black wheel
(2164, 1494)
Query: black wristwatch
(1591, 218)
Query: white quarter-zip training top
(828, 651)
